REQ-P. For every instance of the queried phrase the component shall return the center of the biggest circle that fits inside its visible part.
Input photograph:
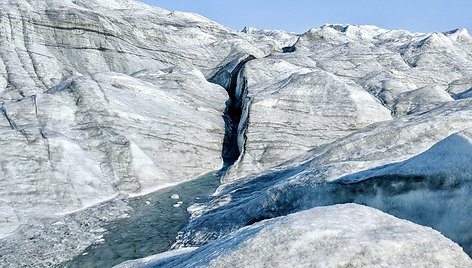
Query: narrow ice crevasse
(236, 113)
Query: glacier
(111, 109)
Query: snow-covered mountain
(103, 101)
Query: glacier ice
(105, 135)
(318, 92)
(101, 101)
(93, 94)
(427, 182)
(335, 236)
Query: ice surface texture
(100, 99)
(335, 236)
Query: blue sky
(299, 16)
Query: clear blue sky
(300, 15)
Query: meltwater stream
(152, 226)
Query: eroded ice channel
(157, 218)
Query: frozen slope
(44, 41)
(292, 109)
(89, 139)
(429, 184)
(336, 236)
(99, 98)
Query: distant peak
(347, 27)
(436, 40)
(361, 32)
(248, 29)
(460, 34)
(457, 31)
(338, 27)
